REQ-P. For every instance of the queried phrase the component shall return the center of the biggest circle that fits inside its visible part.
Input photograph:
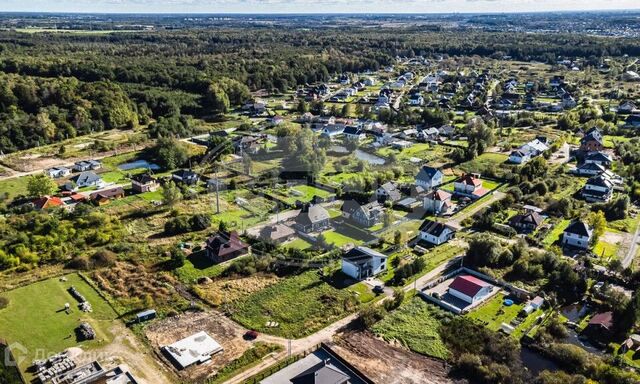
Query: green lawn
(416, 326)
(484, 162)
(298, 244)
(197, 265)
(14, 187)
(625, 225)
(605, 250)
(556, 232)
(363, 292)
(300, 304)
(631, 357)
(433, 258)
(493, 313)
(339, 239)
(35, 317)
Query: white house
(362, 262)
(436, 233)
(429, 177)
(388, 192)
(577, 234)
(437, 202)
(354, 133)
(599, 158)
(416, 100)
(589, 169)
(58, 172)
(468, 185)
(469, 289)
(528, 151)
(333, 130)
(519, 156)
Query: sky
(311, 6)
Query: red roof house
(225, 246)
(469, 288)
(46, 202)
(600, 327)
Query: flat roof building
(195, 349)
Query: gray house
(87, 179)
(363, 262)
(366, 215)
(312, 218)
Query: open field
(35, 318)
(414, 325)
(300, 304)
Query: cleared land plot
(35, 318)
(385, 363)
(414, 325)
(228, 334)
(300, 305)
(484, 163)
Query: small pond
(535, 362)
(574, 312)
(138, 164)
(369, 158)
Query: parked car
(378, 289)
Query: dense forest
(54, 86)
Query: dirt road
(128, 350)
(324, 335)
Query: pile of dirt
(384, 363)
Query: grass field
(300, 304)
(556, 232)
(493, 313)
(298, 244)
(416, 326)
(14, 187)
(197, 265)
(339, 240)
(36, 319)
(484, 162)
(605, 250)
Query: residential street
(325, 334)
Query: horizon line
(604, 10)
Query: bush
(371, 315)
(80, 263)
(3, 302)
(103, 258)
